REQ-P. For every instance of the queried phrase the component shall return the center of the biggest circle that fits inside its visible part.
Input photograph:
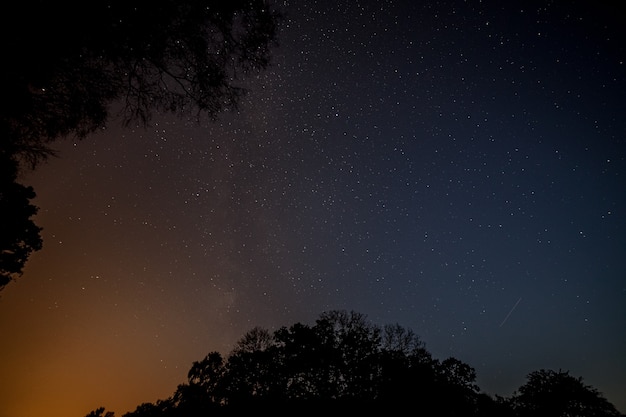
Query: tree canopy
(67, 62)
(557, 393)
(19, 235)
(345, 364)
(68, 65)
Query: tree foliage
(19, 235)
(67, 62)
(557, 393)
(68, 67)
(100, 412)
(344, 364)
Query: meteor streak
(507, 316)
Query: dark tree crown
(343, 364)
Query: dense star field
(454, 167)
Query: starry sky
(454, 167)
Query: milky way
(431, 164)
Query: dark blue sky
(457, 168)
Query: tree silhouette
(251, 369)
(456, 390)
(67, 65)
(202, 394)
(19, 236)
(340, 364)
(550, 393)
(343, 364)
(79, 58)
(100, 412)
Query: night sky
(458, 168)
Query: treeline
(343, 364)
